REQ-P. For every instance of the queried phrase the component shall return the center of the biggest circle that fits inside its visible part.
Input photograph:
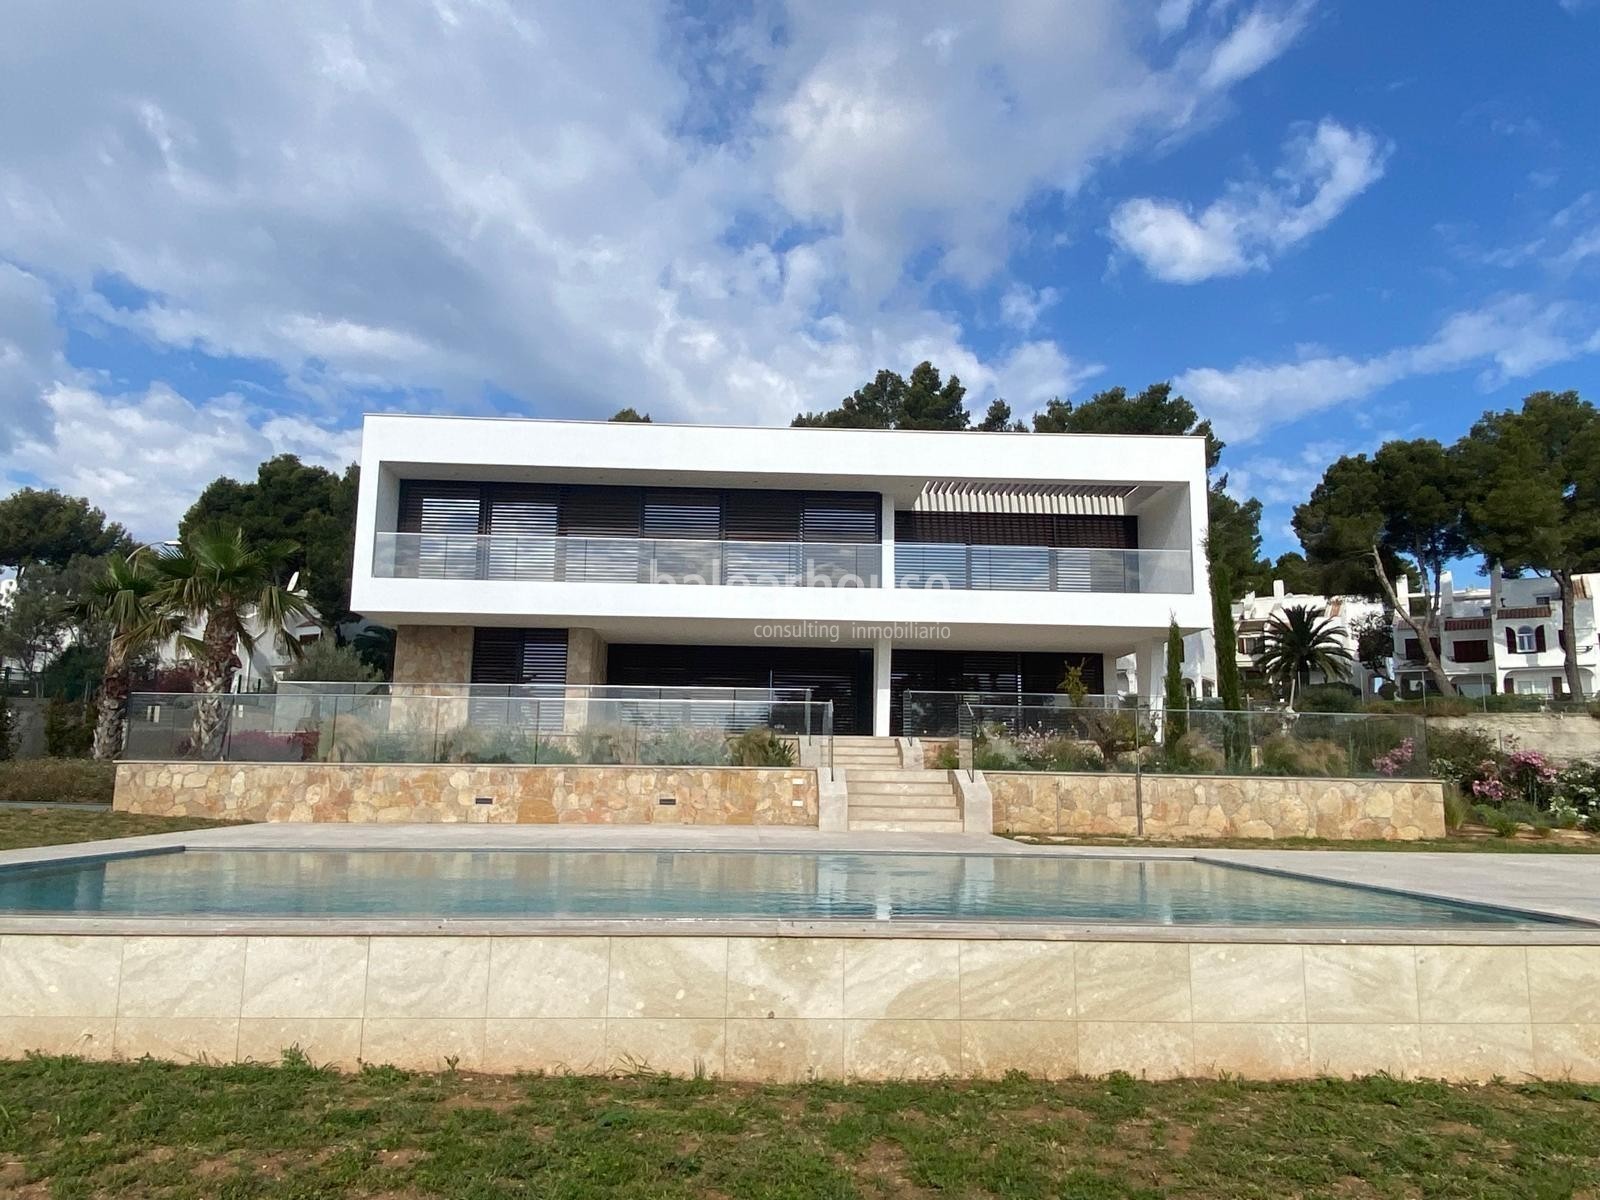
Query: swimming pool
(643, 884)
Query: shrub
(760, 747)
(327, 661)
(1193, 754)
(1503, 823)
(1283, 754)
(1053, 752)
(258, 745)
(67, 733)
(489, 744)
(604, 747)
(1329, 697)
(683, 746)
(1456, 810)
(948, 758)
(56, 781)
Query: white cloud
(1260, 37)
(145, 458)
(31, 346)
(1021, 306)
(1508, 339)
(580, 206)
(1322, 172)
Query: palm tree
(216, 583)
(123, 598)
(1300, 640)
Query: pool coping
(1567, 888)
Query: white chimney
(1278, 590)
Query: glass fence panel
(927, 712)
(1013, 737)
(355, 727)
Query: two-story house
(1506, 637)
(857, 563)
(1253, 614)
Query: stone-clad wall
(1221, 806)
(795, 1008)
(433, 654)
(524, 794)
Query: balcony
(567, 559)
(1041, 569)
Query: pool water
(714, 884)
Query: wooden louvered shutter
(435, 506)
(521, 519)
(519, 656)
(1511, 639)
(751, 516)
(1539, 639)
(447, 517)
(682, 513)
(840, 517)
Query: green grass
(76, 1129)
(21, 827)
(1450, 845)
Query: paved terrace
(1560, 885)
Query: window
(1525, 639)
(1473, 650)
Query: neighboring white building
(858, 563)
(1504, 637)
(1254, 613)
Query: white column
(881, 651)
(888, 541)
(1150, 662)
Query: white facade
(1254, 613)
(482, 524)
(1504, 637)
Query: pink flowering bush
(1396, 760)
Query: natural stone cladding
(521, 794)
(1220, 806)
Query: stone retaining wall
(1562, 736)
(795, 1008)
(1220, 806)
(520, 794)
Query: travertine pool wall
(517, 794)
(1218, 806)
(791, 1008)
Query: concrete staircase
(885, 796)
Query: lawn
(20, 827)
(69, 1129)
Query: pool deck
(1566, 886)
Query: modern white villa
(1505, 637)
(859, 564)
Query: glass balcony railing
(626, 560)
(1041, 568)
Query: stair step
(876, 826)
(900, 775)
(904, 812)
(902, 800)
(940, 790)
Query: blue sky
(226, 231)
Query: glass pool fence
(1014, 737)
(469, 727)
